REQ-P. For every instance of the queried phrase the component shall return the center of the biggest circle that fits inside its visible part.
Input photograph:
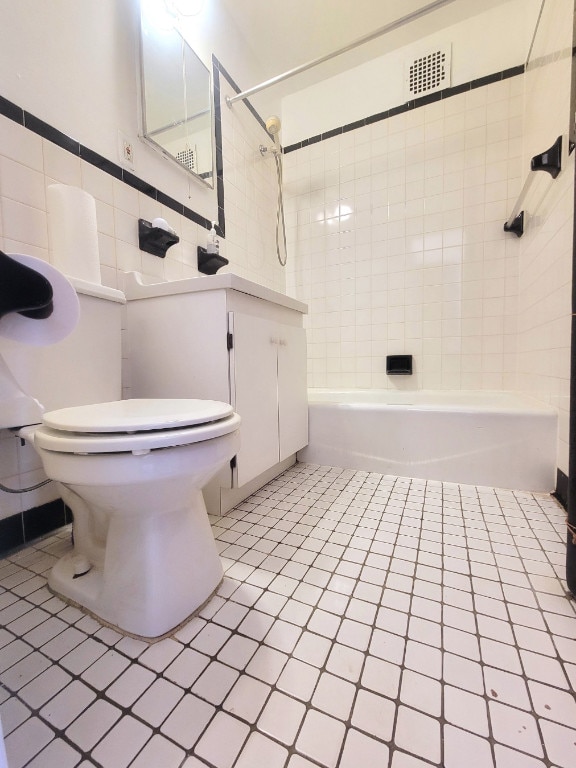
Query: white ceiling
(284, 35)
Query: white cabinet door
(292, 390)
(253, 373)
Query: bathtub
(497, 439)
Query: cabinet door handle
(273, 340)
(282, 342)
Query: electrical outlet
(128, 151)
(125, 150)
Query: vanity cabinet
(268, 390)
(225, 338)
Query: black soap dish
(210, 263)
(155, 240)
(399, 365)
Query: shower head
(273, 125)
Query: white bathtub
(497, 439)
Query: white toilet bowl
(132, 472)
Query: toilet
(132, 471)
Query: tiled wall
(396, 242)
(545, 265)
(29, 162)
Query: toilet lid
(129, 416)
(60, 441)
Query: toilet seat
(134, 425)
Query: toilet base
(83, 607)
(157, 571)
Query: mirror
(176, 94)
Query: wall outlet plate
(125, 150)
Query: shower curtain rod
(359, 41)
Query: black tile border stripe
(46, 131)
(24, 527)
(422, 101)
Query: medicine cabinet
(176, 94)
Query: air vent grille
(188, 158)
(428, 72)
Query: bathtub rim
(471, 401)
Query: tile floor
(365, 621)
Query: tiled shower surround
(396, 229)
(363, 620)
(396, 234)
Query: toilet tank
(85, 367)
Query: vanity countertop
(135, 288)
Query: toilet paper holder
(154, 239)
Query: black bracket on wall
(517, 225)
(549, 161)
(155, 240)
(210, 263)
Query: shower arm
(359, 41)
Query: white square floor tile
(87, 730)
(159, 752)
(320, 738)
(418, 734)
(58, 754)
(187, 720)
(281, 718)
(463, 748)
(506, 688)
(159, 655)
(298, 679)
(215, 682)
(247, 698)
(334, 696)
(222, 741)
(552, 704)
(105, 670)
(560, 743)
(466, 710)
(122, 743)
(261, 751)
(130, 685)
(157, 702)
(367, 620)
(13, 713)
(26, 742)
(68, 704)
(360, 749)
(374, 714)
(421, 692)
(515, 728)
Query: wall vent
(188, 158)
(428, 72)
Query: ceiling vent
(428, 72)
